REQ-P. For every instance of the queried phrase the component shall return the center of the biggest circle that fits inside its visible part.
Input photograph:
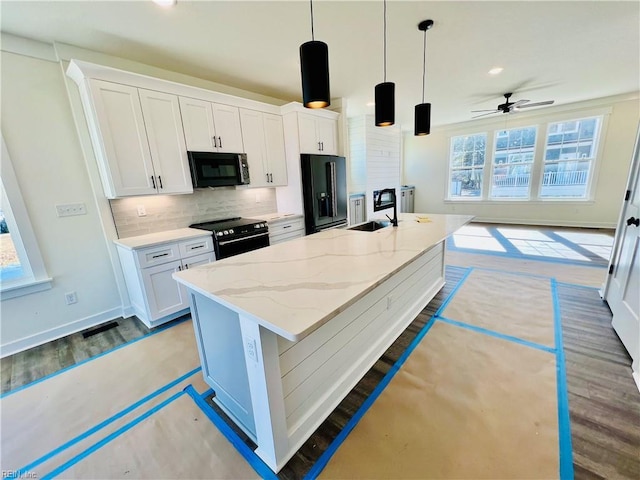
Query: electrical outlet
(251, 348)
(71, 298)
(142, 212)
(71, 209)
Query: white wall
(426, 166)
(43, 145)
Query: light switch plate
(71, 209)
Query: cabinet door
(308, 136)
(360, 210)
(124, 158)
(227, 126)
(162, 120)
(163, 293)
(327, 136)
(403, 201)
(196, 260)
(197, 121)
(254, 147)
(353, 211)
(275, 149)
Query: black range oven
(232, 236)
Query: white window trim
(36, 278)
(450, 169)
(490, 197)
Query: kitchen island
(285, 332)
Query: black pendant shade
(314, 66)
(385, 96)
(422, 116)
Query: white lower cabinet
(356, 209)
(156, 297)
(282, 230)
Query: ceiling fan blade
(536, 104)
(488, 113)
(518, 103)
(487, 110)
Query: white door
(161, 113)
(622, 291)
(227, 125)
(327, 135)
(275, 149)
(127, 168)
(307, 133)
(163, 293)
(197, 120)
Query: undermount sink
(370, 226)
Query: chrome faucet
(392, 191)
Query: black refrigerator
(324, 190)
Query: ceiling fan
(509, 107)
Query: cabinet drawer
(196, 246)
(283, 237)
(286, 227)
(157, 255)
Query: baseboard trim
(25, 343)
(546, 223)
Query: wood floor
(604, 402)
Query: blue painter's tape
(454, 291)
(28, 468)
(111, 437)
(341, 437)
(493, 333)
(564, 425)
(207, 393)
(70, 367)
(256, 462)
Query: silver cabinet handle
(160, 181)
(153, 182)
(220, 141)
(267, 175)
(319, 148)
(161, 255)
(271, 177)
(179, 268)
(199, 246)
(215, 142)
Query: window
(467, 166)
(569, 156)
(512, 161)
(21, 267)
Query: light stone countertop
(293, 288)
(151, 239)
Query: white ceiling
(565, 51)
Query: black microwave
(214, 169)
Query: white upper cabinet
(161, 113)
(263, 136)
(120, 140)
(211, 127)
(139, 141)
(317, 134)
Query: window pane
(565, 179)
(10, 267)
(469, 153)
(512, 162)
(466, 183)
(569, 151)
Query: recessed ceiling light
(495, 70)
(165, 3)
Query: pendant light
(385, 92)
(314, 66)
(422, 119)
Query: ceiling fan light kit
(385, 92)
(314, 69)
(422, 114)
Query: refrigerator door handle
(333, 181)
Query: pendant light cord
(385, 39)
(312, 36)
(424, 63)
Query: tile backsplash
(166, 212)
